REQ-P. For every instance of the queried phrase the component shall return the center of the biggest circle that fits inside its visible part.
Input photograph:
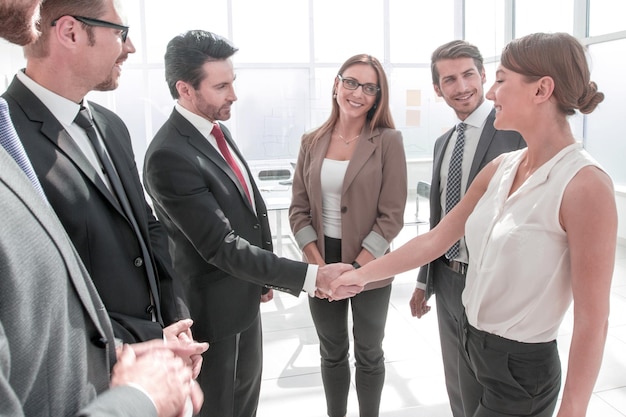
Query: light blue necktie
(11, 142)
(453, 186)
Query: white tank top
(332, 175)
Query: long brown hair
(379, 115)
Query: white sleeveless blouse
(518, 283)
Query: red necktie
(221, 144)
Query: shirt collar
(478, 116)
(203, 125)
(62, 109)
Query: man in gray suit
(56, 341)
(458, 77)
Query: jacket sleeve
(300, 207)
(122, 401)
(178, 185)
(392, 197)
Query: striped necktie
(453, 186)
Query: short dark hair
(187, 53)
(453, 50)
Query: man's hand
(172, 331)
(179, 338)
(159, 373)
(418, 303)
(268, 296)
(345, 291)
(326, 274)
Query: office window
(606, 16)
(271, 31)
(417, 28)
(162, 22)
(604, 139)
(543, 16)
(271, 113)
(484, 25)
(345, 28)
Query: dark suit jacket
(95, 222)
(53, 359)
(492, 143)
(220, 247)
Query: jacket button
(344, 209)
(138, 262)
(257, 226)
(100, 341)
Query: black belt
(456, 266)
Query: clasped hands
(336, 282)
(165, 369)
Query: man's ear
(437, 90)
(66, 30)
(184, 89)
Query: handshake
(337, 282)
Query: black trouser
(231, 374)
(501, 377)
(369, 315)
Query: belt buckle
(458, 267)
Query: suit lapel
(364, 149)
(78, 275)
(119, 160)
(202, 144)
(52, 129)
(435, 195)
(486, 137)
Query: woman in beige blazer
(349, 194)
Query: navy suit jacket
(219, 245)
(492, 143)
(96, 224)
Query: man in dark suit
(56, 341)
(122, 246)
(458, 77)
(216, 219)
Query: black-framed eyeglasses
(351, 84)
(101, 23)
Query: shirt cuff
(420, 286)
(310, 280)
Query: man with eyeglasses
(83, 157)
(57, 350)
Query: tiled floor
(414, 383)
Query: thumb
(127, 355)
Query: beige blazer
(373, 197)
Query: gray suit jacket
(56, 342)
(492, 143)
